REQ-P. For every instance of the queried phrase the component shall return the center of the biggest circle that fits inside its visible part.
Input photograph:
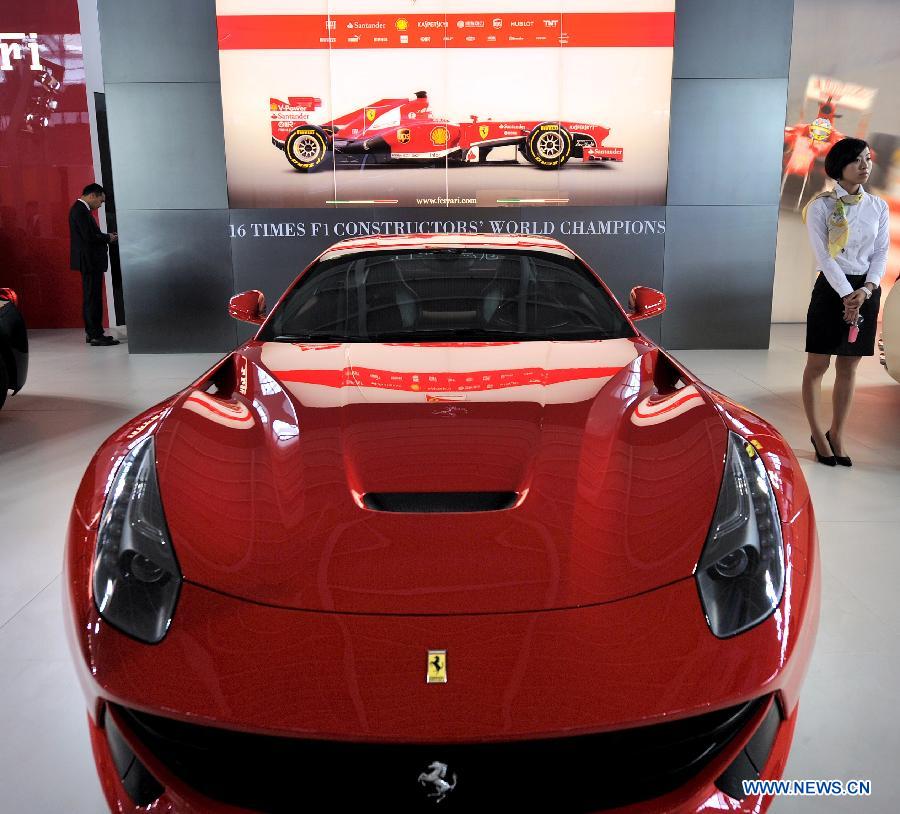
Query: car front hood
(612, 482)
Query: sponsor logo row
(403, 24)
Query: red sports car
(406, 130)
(13, 345)
(449, 532)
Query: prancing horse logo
(436, 778)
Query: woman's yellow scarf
(838, 227)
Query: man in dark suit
(88, 254)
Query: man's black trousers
(92, 303)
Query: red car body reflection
(569, 617)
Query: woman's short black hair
(844, 152)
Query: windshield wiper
(311, 338)
(451, 334)
(575, 337)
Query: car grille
(574, 774)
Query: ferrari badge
(436, 672)
(483, 130)
(435, 778)
(371, 113)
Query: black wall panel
(178, 280)
(727, 118)
(158, 40)
(719, 269)
(725, 141)
(733, 38)
(167, 145)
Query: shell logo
(439, 136)
(402, 24)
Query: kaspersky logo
(11, 48)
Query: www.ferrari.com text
(442, 201)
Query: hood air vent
(444, 502)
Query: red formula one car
(805, 148)
(448, 534)
(406, 130)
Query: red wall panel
(45, 157)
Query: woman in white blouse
(848, 230)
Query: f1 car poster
(438, 103)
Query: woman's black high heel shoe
(828, 460)
(843, 460)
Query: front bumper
(146, 761)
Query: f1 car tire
(548, 146)
(306, 147)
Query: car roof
(447, 240)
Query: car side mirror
(645, 302)
(249, 306)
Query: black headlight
(136, 575)
(741, 571)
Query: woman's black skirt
(826, 331)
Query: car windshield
(447, 295)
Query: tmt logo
(11, 48)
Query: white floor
(76, 395)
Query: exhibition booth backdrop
(208, 206)
(45, 156)
(836, 91)
(456, 89)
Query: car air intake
(142, 787)
(444, 502)
(574, 774)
